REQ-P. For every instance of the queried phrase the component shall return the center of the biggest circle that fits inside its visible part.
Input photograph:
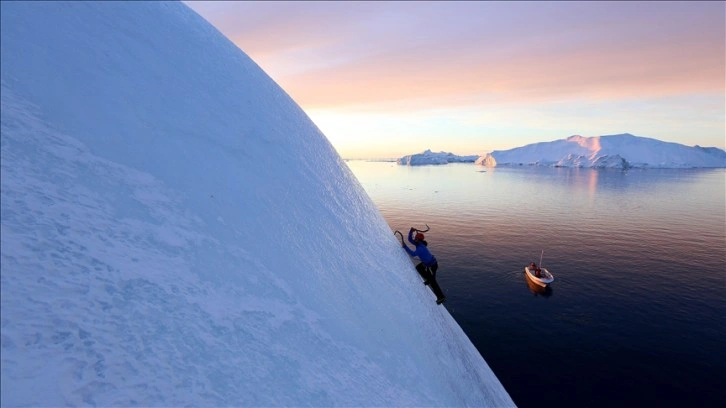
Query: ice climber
(428, 266)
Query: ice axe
(399, 233)
(426, 230)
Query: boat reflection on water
(538, 290)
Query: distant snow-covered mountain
(429, 157)
(612, 151)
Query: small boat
(537, 274)
(544, 279)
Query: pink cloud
(368, 53)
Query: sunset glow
(384, 79)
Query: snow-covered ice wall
(176, 231)
(609, 151)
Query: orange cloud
(603, 72)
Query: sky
(386, 79)
(153, 256)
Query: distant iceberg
(613, 151)
(429, 157)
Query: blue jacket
(422, 252)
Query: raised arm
(410, 236)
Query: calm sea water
(636, 315)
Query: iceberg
(612, 151)
(428, 157)
(156, 253)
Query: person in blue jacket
(428, 266)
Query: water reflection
(536, 289)
(629, 224)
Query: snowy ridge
(428, 157)
(156, 252)
(613, 151)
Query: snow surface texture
(177, 232)
(612, 151)
(429, 157)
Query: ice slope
(177, 232)
(621, 151)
